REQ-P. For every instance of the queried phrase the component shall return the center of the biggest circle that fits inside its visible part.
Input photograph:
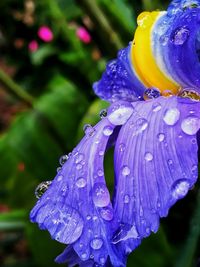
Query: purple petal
(120, 81)
(157, 166)
(76, 208)
(176, 44)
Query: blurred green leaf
(64, 107)
(12, 220)
(43, 52)
(154, 251)
(92, 115)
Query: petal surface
(76, 209)
(156, 167)
(120, 80)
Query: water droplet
(126, 199)
(107, 214)
(161, 137)
(60, 177)
(84, 256)
(194, 168)
(125, 170)
(120, 113)
(96, 243)
(58, 169)
(102, 260)
(180, 36)
(122, 147)
(190, 125)
(88, 129)
(81, 182)
(103, 113)
(100, 172)
(164, 39)
(101, 153)
(167, 93)
(63, 159)
(151, 93)
(42, 188)
(107, 130)
(125, 232)
(180, 188)
(139, 126)
(88, 217)
(78, 158)
(189, 93)
(171, 116)
(79, 166)
(148, 156)
(156, 107)
(170, 161)
(101, 196)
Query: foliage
(45, 99)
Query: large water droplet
(125, 232)
(148, 156)
(42, 188)
(180, 188)
(101, 196)
(190, 125)
(171, 116)
(107, 214)
(156, 107)
(81, 182)
(96, 243)
(107, 130)
(151, 93)
(125, 170)
(120, 113)
(103, 113)
(161, 137)
(63, 159)
(180, 36)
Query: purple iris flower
(155, 151)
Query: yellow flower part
(142, 56)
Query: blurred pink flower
(83, 35)
(33, 46)
(45, 33)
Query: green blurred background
(45, 99)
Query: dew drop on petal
(120, 114)
(58, 169)
(100, 172)
(180, 36)
(190, 125)
(60, 177)
(180, 188)
(151, 93)
(101, 196)
(42, 188)
(171, 116)
(88, 129)
(148, 156)
(106, 214)
(107, 130)
(81, 182)
(161, 137)
(139, 126)
(63, 159)
(125, 170)
(103, 113)
(126, 199)
(156, 107)
(78, 158)
(122, 147)
(84, 256)
(96, 243)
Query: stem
(102, 23)
(15, 89)
(189, 249)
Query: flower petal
(120, 81)
(157, 165)
(76, 208)
(176, 41)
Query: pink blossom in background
(83, 35)
(33, 46)
(45, 33)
